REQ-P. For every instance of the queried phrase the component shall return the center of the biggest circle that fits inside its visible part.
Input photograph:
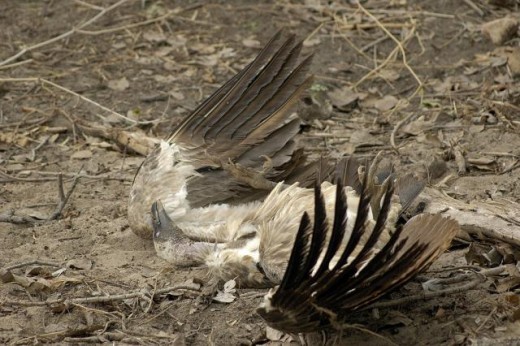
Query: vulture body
(230, 190)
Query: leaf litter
(458, 129)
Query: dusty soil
(158, 71)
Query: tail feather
(313, 294)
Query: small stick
(399, 47)
(86, 4)
(102, 299)
(426, 295)
(81, 97)
(511, 167)
(460, 160)
(35, 121)
(9, 217)
(15, 64)
(373, 43)
(474, 7)
(69, 175)
(125, 27)
(63, 198)
(486, 319)
(30, 263)
(64, 35)
(396, 129)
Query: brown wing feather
(247, 120)
(314, 294)
(242, 114)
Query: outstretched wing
(328, 277)
(248, 121)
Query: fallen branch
(135, 141)
(480, 277)
(103, 299)
(30, 263)
(426, 295)
(497, 220)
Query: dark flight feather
(246, 121)
(313, 296)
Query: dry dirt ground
(152, 62)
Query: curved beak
(161, 222)
(173, 245)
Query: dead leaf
(18, 139)
(6, 276)
(38, 271)
(33, 285)
(476, 254)
(119, 84)
(177, 41)
(386, 103)
(82, 155)
(476, 128)
(62, 281)
(363, 137)
(497, 61)
(500, 30)
(80, 264)
(58, 272)
(440, 313)
(251, 43)
(224, 297)
(312, 42)
(455, 83)
(513, 299)
(134, 113)
(168, 79)
(177, 95)
(154, 36)
(276, 335)
(228, 294)
(437, 168)
(163, 51)
(417, 126)
(35, 214)
(483, 163)
(119, 45)
(512, 55)
(345, 99)
(389, 75)
(229, 286)
(506, 284)
(395, 319)
(202, 48)
(14, 167)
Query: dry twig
(64, 35)
(397, 128)
(102, 299)
(83, 98)
(11, 217)
(399, 47)
(480, 277)
(64, 198)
